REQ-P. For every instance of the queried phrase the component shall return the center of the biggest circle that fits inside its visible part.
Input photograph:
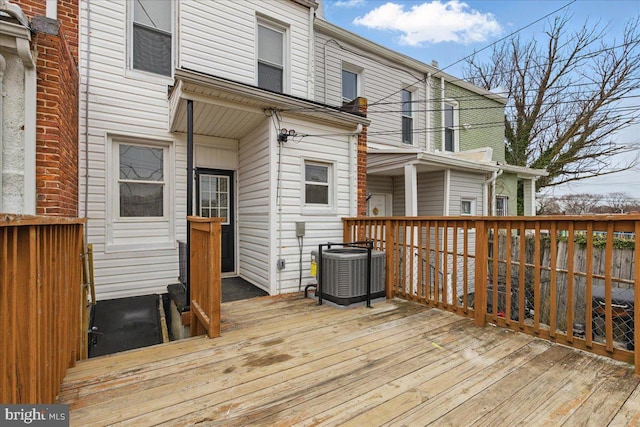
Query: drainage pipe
(3, 67)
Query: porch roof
(392, 162)
(228, 109)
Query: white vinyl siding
(220, 38)
(378, 79)
(322, 224)
(431, 194)
(254, 201)
(468, 187)
(139, 259)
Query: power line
(475, 52)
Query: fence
(552, 277)
(204, 278)
(41, 306)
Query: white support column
(533, 197)
(410, 190)
(447, 193)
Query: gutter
(15, 12)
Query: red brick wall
(57, 110)
(362, 165)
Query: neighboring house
(246, 71)
(39, 107)
(435, 143)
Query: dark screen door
(215, 198)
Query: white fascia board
(523, 172)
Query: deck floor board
(286, 361)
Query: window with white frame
(450, 127)
(468, 207)
(141, 187)
(502, 206)
(407, 117)
(152, 45)
(271, 56)
(349, 86)
(317, 183)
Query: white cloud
(433, 22)
(349, 3)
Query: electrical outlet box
(299, 229)
(281, 264)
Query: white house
(246, 70)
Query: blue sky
(448, 31)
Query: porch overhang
(524, 172)
(228, 109)
(392, 162)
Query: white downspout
(447, 192)
(52, 9)
(427, 108)
(442, 122)
(311, 68)
(485, 193)
(3, 67)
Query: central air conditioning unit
(344, 274)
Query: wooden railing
(565, 279)
(41, 306)
(205, 268)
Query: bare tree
(617, 202)
(564, 98)
(580, 203)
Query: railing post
(636, 297)
(389, 235)
(480, 291)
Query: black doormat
(124, 324)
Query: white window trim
(412, 116)
(472, 201)
(359, 72)
(112, 200)
(147, 76)
(456, 125)
(315, 209)
(283, 28)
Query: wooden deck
(286, 361)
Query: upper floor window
(407, 117)
(351, 82)
(152, 39)
(349, 86)
(271, 40)
(450, 127)
(502, 206)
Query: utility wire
(475, 52)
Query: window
(450, 126)
(407, 118)
(316, 183)
(141, 181)
(468, 207)
(502, 206)
(214, 197)
(349, 86)
(271, 57)
(152, 41)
